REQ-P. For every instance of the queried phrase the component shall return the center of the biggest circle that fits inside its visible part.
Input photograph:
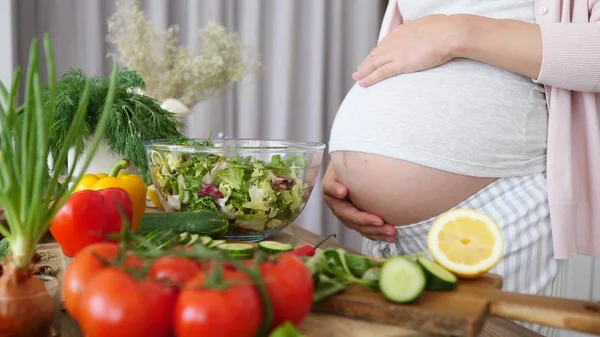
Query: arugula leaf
(357, 264)
(326, 286)
(337, 258)
(317, 264)
(370, 279)
(333, 269)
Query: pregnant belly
(401, 192)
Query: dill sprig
(134, 118)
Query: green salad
(253, 194)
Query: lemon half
(467, 242)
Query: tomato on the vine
(79, 272)
(235, 311)
(290, 288)
(178, 270)
(115, 304)
(91, 260)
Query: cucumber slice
(274, 247)
(215, 243)
(184, 237)
(193, 239)
(239, 250)
(205, 240)
(438, 278)
(401, 280)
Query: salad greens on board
(255, 195)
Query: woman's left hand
(412, 46)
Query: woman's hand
(413, 46)
(369, 225)
(436, 39)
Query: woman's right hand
(369, 225)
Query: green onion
(30, 193)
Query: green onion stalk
(31, 192)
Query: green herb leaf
(370, 279)
(326, 286)
(337, 262)
(286, 329)
(357, 264)
(134, 118)
(318, 264)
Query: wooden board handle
(583, 316)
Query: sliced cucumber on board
(438, 278)
(401, 280)
(239, 250)
(193, 239)
(206, 240)
(184, 237)
(215, 243)
(274, 247)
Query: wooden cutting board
(462, 312)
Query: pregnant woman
(489, 105)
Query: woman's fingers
(350, 215)
(380, 238)
(385, 230)
(379, 233)
(369, 225)
(381, 73)
(331, 187)
(335, 189)
(376, 59)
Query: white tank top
(464, 117)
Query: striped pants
(520, 206)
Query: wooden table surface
(317, 325)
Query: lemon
(466, 242)
(152, 195)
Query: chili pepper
(88, 217)
(308, 250)
(132, 183)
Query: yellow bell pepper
(132, 183)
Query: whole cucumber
(202, 222)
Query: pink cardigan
(571, 75)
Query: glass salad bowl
(260, 186)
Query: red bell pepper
(88, 217)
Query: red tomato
(290, 288)
(115, 304)
(84, 267)
(233, 312)
(79, 272)
(178, 270)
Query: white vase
(102, 161)
(177, 108)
